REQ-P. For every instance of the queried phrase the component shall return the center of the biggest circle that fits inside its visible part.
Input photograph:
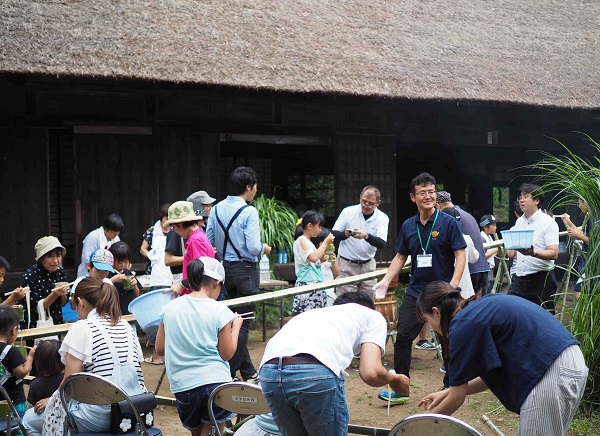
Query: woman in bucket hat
(47, 280)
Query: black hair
(163, 211)
(240, 178)
(9, 318)
(373, 188)
(534, 190)
(4, 263)
(120, 251)
(187, 224)
(421, 179)
(453, 213)
(113, 222)
(358, 297)
(46, 361)
(103, 296)
(320, 237)
(309, 217)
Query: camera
(353, 232)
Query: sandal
(151, 361)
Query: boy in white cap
(196, 353)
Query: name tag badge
(424, 261)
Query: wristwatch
(367, 237)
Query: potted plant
(277, 224)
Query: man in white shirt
(361, 230)
(302, 369)
(534, 276)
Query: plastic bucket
(69, 314)
(147, 306)
(517, 239)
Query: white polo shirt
(545, 235)
(353, 218)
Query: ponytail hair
(309, 217)
(102, 296)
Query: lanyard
(430, 232)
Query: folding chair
(13, 420)
(90, 388)
(433, 424)
(238, 397)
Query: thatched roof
(541, 52)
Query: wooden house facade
(122, 107)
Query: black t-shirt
(13, 385)
(43, 387)
(175, 246)
(125, 297)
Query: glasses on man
(430, 193)
(523, 197)
(368, 204)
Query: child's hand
(40, 406)
(32, 352)
(329, 239)
(237, 321)
(118, 278)
(132, 280)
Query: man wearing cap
(534, 277)
(361, 230)
(234, 231)
(202, 205)
(479, 270)
(185, 222)
(488, 228)
(46, 280)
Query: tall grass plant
(572, 177)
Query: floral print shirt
(41, 282)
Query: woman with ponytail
(100, 343)
(517, 349)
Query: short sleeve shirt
(545, 234)
(13, 386)
(41, 282)
(507, 341)
(446, 238)
(174, 246)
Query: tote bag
(44, 320)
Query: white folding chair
(13, 421)
(238, 397)
(90, 388)
(433, 424)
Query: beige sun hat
(182, 211)
(47, 244)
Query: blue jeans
(306, 399)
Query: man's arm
(252, 232)
(460, 257)
(373, 373)
(550, 253)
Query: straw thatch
(541, 52)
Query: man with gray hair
(361, 230)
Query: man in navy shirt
(436, 247)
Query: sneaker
(255, 379)
(424, 344)
(394, 398)
(443, 369)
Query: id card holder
(424, 261)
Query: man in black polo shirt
(436, 246)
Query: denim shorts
(192, 406)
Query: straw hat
(47, 244)
(182, 211)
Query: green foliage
(586, 422)
(277, 224)
(574, 177)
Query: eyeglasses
(430, 193)
(523, 197)
(368, 204)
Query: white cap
(213, 268)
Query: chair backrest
(238, 397)
(93, 389)
(13, 420)
(433, 424)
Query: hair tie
(455, 292)
(298, 222)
